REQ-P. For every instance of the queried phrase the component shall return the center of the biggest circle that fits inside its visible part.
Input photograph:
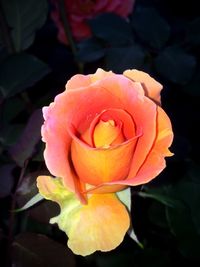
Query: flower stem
(68, 32)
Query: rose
(104, 133)
(80, 11)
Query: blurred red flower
(79, 11)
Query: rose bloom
(105, 132)
(79, 12)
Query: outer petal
(58, 142)
(100, 74)
(111, 92)
(99, 225)
(80, 81)
(54, 130)
(52, 189)
(151, 87)
(154, 162)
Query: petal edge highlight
(151, 87)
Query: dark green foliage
(24, 18)
(36, 250)
(19, 72)
(111, 29)
(128, 56)
(150, 27)
(175, 65)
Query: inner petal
(118, 124)
(107, 133)
(95, 155)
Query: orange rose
(104, 133)
(80, 11)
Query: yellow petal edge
(99, 225)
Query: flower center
(107, 133)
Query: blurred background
(42, 44)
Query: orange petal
(147, 120)
(154, 162)
(107, 132)
(100, 74)
(99, 165)
(58, 142)
(52, 188)
(84, 104)
(79, 81)
(151, 87)
(114, 91)
(120, 117)
(100, 225)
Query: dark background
(161, 38)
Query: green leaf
(175, 65)
(184, 219)
(157, 215)
(10, 134)
(187, 190)
(24, 17)
(112, 29)
(133, 236)
(20, 71)
(164, 199)
(150, 27)
(12, 107)
(34, 200)
(90, 50)
(153, 257)
(25, 147)
(130, 57)
(183, 228)
(125, 197)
